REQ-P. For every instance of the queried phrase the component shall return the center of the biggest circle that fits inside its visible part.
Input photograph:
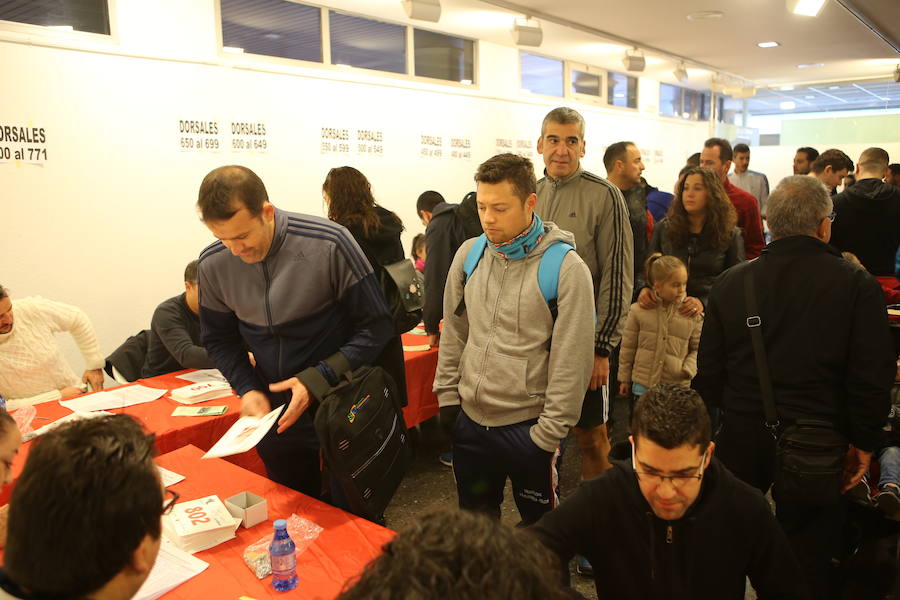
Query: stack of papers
(243, 435)
(200, 392)
(115, 398)
(199, 524)
(202, 376)
(173, 567)
(75, 416)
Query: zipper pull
(669, 534)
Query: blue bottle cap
(280, 524)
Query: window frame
(637, 97)
(73, 39)
(525, 91)
(599, 100)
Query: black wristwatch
(601, 352)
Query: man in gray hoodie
(513, 357)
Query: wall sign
(23, 143)
(199, 135)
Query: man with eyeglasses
(84, 518)
(672, 522)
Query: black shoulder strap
(754, 324)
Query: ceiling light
(704, 15)
(423, 10)
(634, 61)
(232, 50)
(787, 105)
(680, 72)
(807, 8)
(768, 44)
(527, 32)
(811, 66)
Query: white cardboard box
(249, 508)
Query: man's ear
(712, 448)
(144, 556)
(540, 145)
(268, 211)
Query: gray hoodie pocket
(496, 380)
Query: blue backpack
(548, 271)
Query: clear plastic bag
(302, 531)
(24, 417)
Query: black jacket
(729, 533)
(825, 330)
(868, 224)
(450, 226)
(174, 341)
(383, 247)
(703, 263)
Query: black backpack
(363, 436)
(403, 291)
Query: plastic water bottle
(283, 559)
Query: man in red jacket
(717, 155)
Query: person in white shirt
(752, 182)
(32, 367)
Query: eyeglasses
(832, 216)
(677, 481)
(170, 500)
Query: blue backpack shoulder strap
(472, 259)
(548, 269)
(474, 255)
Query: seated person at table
(684, 526)
(174, 341)
(10, 440)
(32, 367)
(84, 519)
(458, 555)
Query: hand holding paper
(243, 435)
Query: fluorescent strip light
(768, 44)
(808, 8)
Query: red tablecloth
(420, 368)
(171, 432)
(344, 546)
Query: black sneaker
(861, 493)
(583, 567)
(888, 501)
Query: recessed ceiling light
(703, 15)
(811, 66)
(768, 44)
(807, 8)
(787, 105)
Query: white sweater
(32, 368)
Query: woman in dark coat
(699, 228)
(348, 196)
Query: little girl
(659, 345)
(418, 252)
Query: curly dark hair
(457, 555)
(670, 416)
(350, 199)
(720, 214)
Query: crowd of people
(545, 299)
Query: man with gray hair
(594, 210)
(828, 352)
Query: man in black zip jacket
(829, 356)
(672, 522)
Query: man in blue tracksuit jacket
(297, 291)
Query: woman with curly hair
(348, 197)
(451, 554)
(700, 230)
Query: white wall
(107, 221)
